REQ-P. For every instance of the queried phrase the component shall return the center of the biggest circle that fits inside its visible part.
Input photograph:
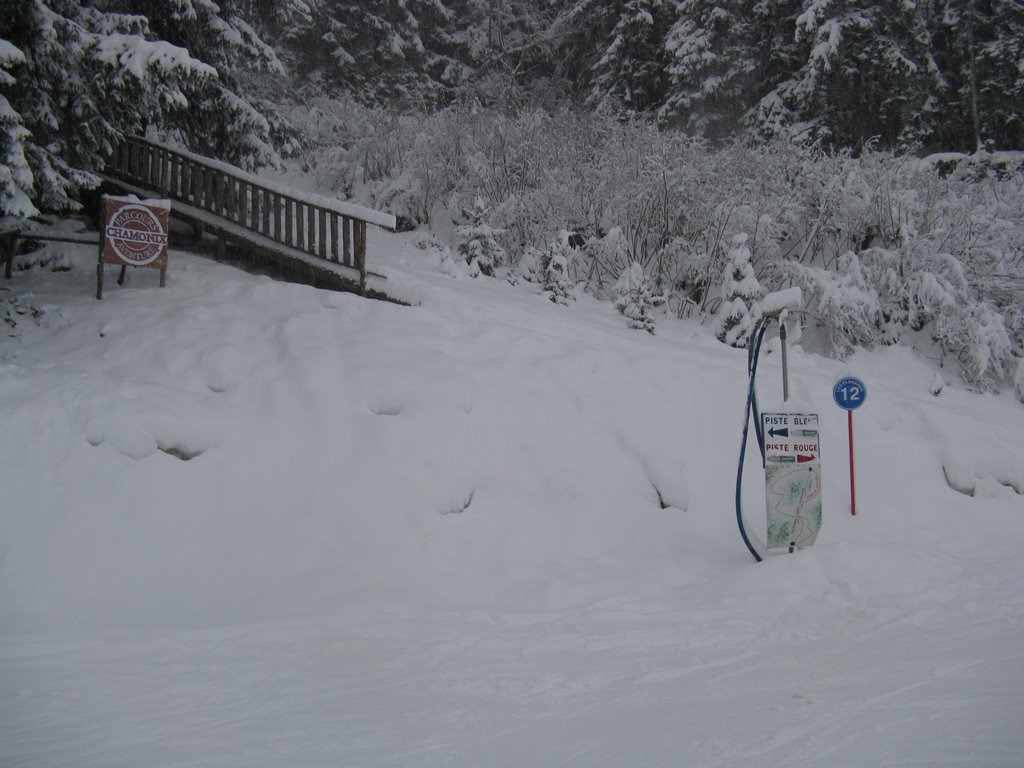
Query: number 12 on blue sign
(850, 394)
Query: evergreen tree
(634, 298)
(866, 73)
(85, 77)
(88, 74)
(631, 70)
(979, 47)
(712, 65)
(225, 116)
(477, 244)
(578, 38)
(740, 293)
(386, 52)
(553, 266)
(16, 180)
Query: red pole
(853, 487)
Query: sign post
(134, 234)
(850, 394)
(792, 471)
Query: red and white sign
(135, 232)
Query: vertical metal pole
(853, 485)
(785, 362)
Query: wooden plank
(147, 166)
(254, 208)
(229, 210)
(323, 233)
(175, 162)
(186, 181)
(346, 226)
(211, 180)
(277, 218)
(218, 193)
(289, 228)
(300, 226)
(334, 237)
(265, 203)
(359, 236)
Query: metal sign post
(850, 394)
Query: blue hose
(753, 350)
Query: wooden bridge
(308, 237)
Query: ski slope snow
(248, 523)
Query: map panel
(792, 478)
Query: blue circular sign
(849, 393)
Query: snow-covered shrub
(740, 293)
(976, 333)
(841, 302)
(886, 248)
(553, 272)
(1018, 380)
(634, 298)
(476, 240)
(603, 255)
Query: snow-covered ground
(247, 523)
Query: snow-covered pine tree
(382, 51)
(634, 298)
(712, 65)
(227, 116)
(863, 72)
(92, 72)
(16, 180)
(553, 266)
(979, 49)
(87, 77)
(476, 240)
(631, 70)
(740, 293)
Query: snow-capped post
(850, 394)
(134, 234)
(792, 451)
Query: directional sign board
(792, 473)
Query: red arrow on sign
(801, 459)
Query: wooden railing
(318, 226)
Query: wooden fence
(317, 226)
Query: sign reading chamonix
(135, 234)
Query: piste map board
(792, 472)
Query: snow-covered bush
(476, 240)
(841, 302)
(553, 272)
(888, 249)
(604, 255)
(740, 294)
(634, 298)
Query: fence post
(289, 228)
(359, 235)
(323, 233)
